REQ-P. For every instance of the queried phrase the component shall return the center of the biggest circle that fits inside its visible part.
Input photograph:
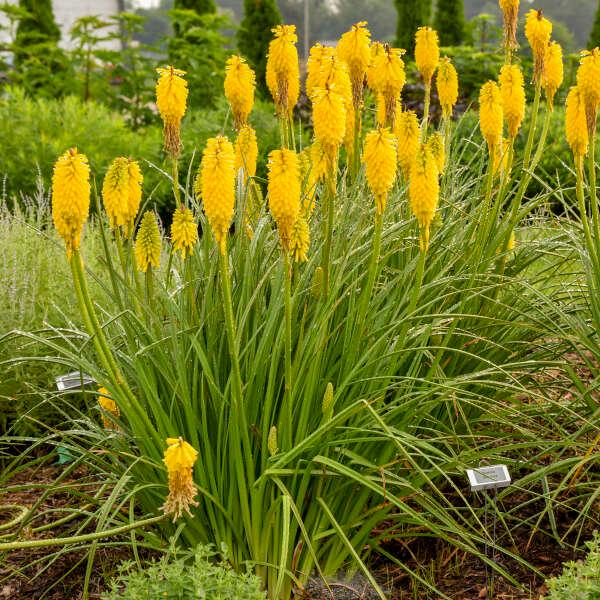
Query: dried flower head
(510, 12)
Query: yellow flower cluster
(424, 191)
(184, 231)
(110, 410)
(180, 458)
(491, 115)
(538, 31)
(512, 92)
(122, 193)
(283, 71)
(554, 72)
(300, 239)
(171, 100)
(427, 52)
(71, 197)
(246, 151)
(329, 119)
(353, 48)
(318, 55)
(447, 86)
(576, 123)
(240, 82)
(437, 146)
(215, 185)
(380, 158)
(510, 12)
(387, 78)
(148, 243)
(588, 82)
(407, 133)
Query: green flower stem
(175, 174)
(288, 349)
(80, 539)
(593, 191)
(355, 166)
(149, 278)
(533, 124)
(425, 122)
(589, 240)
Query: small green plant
(194, 575)
(579, 580)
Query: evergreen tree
(595, 35)
(450, 22)
(254, 35)
(412, 14)
(38, 27)
(200, 6)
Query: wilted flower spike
(427, 52)
(510, 12)
(491, 116)
(284, 192)
(407, 133)
(70, 197)
(109, 407)
(554, 72)
(512, 91)
(353, 49)
(215, 186)
(171, 100)
(538, 31)
(424, 190)
(380, 158)
(180, 459)
(147, 243)
(184, 231)
(283, 70)
(576, 123)
(240, 82)
(447, 86)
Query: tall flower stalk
(427, 57)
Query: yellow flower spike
(329, 118)
(148, 243)
(576, 123)
(317, 55)
(437, 146)
(309, 180)
(109, 407)
(501, 157)
(300, 239)
(388, 78)
(538, 31)
(349, 135)
(447, 86)
(375, 50)
(334, 72)
(424, 191)
(512, 92)
(246, 151)
(240, 82)
(427, 52)
(215, 185)
(134, 197)
(554, 72)
(491, 117)
(70, 197)
(318, 161)
(379, 156)
(171, 100)
(510, 12)
(284, 192)
(283, 71)
(588, 82)
(180, 458)
(122, 193)
(353, 48)
(407, 132)
(184, 231)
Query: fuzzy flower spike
(240, 83)
(538, 31)
(171, 100)
(283, 70)
(180, 459)
(354, 49)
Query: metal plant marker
(483, 479)
(74, 381)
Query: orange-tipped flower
(329, 118)
(512, 92)
(491, 115)
(447, 86)
(215, 184)
(427, 52)
(122, 193)
(538, 31)
(437, 146)
(510, 12)
(424, 190)
(71, 197)
(588, 82)
(180, 459)
(171, 100)
(184, 231)
(284, 192)
(407, 132)
(283, 71)
(387, 79)
(147, 243)
(353, 48)
(246, 151)
(300, 239)
(110, 410)
(240, 82)
(576, 123)
(554, 72)
(379, 156)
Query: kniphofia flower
(184, 231)
(329, 119)
(538, 31)
(283, 71)
(314, 76)
(180, 458)
(510, 12)
(588, 82)
(447, 86)
(353, 48)
(437, 146)
(284, 192)
(512, 92)
(240, 83)
(109, 407)
(246, 151)
(491, 117)
(387, 78)
(70, 197)
(427, 52)
(379, 156)
(171, 100)
(576, 123)
(122, 193)
(554, 72)
(407, 133)
(215, 184)
(148, 243)
(300, 239)
(424, 191)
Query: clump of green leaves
(195, 575)
(579, 580)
